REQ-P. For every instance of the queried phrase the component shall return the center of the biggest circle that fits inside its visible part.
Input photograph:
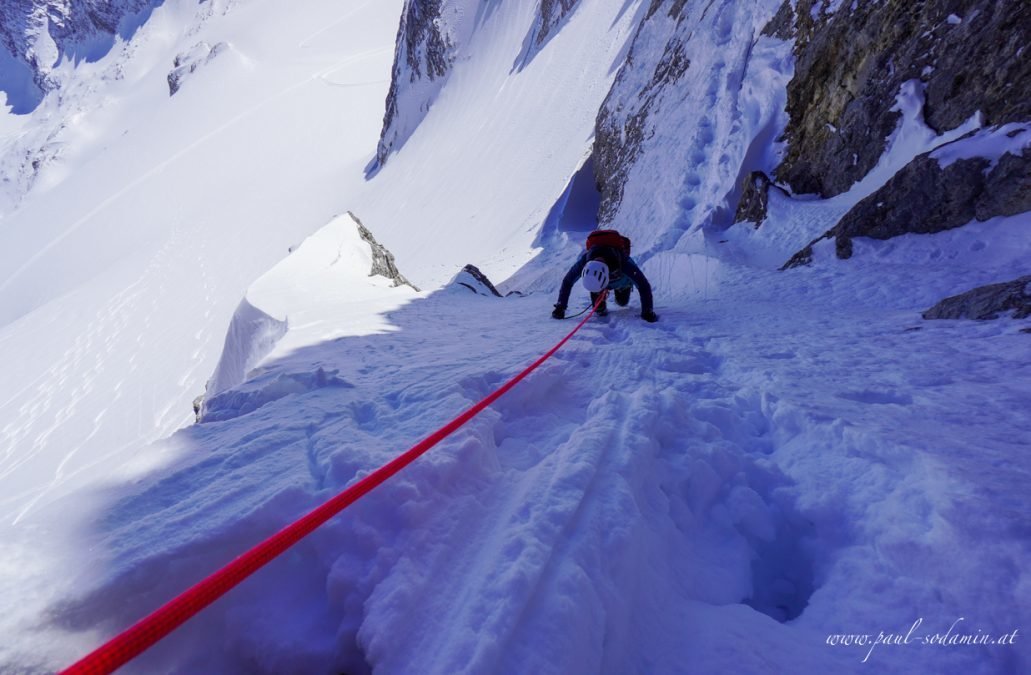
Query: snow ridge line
(146, 632)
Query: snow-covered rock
(428, 41)
(36, 35)
(693, 111)
(473, 279)
(852, 61)
(434, 34)
(987, 302)
(982, 175)
(189, 61)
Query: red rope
(132, 642)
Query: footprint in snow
(877, 397)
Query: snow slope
(120, 268)
(784, 459)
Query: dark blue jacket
(629, 274)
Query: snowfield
(789, 472)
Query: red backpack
(609, 238)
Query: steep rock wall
(852, 58)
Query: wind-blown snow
(784, 459)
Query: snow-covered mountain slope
(495, 151)
(786, 461)
(121, 266)
(36, 36)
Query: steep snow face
(428, 42)
(432, 36)
(696, 107)
(122, 263)
(499, 144)
(38, 34)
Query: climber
(606, 264)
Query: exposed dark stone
(423, 51)
(382, 259)
(552, 12)
(800, 259)
(476, 281)
(850, 65)
(188, 62)
(987, 302)
(924, 198)
(1007, 188)
(782, 25)
(755, 195)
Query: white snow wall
(698, 104)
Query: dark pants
(622, 298)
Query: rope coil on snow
(132, 642)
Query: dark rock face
(423, 57)
(924, 198)
(476, 281)
(850, 65)
(80, 29)
(382, 260)
(782, 24)
(552, 13)
(550, 16)
(187, 63)
(987, 302)
(755, 196)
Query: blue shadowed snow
(577, 209)
(23, 95)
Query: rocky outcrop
(551, 14)
(941, 190)
(382, 260)
(186, 63)
(987, 302)
(755, 197)
(37, 34)
(476, 281)
(852, 58)
(427, 40)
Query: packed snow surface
(790, 472)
